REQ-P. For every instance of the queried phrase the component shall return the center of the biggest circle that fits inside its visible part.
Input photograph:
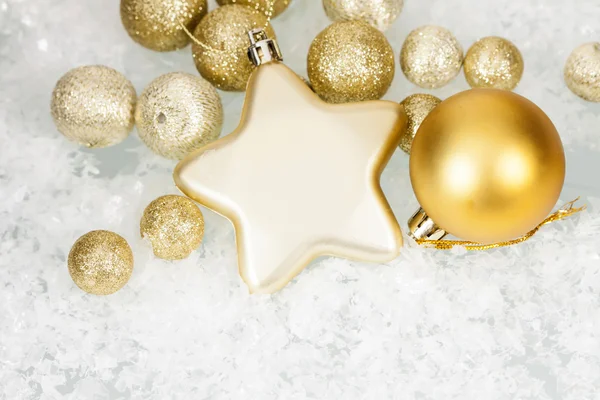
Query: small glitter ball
(582, 71)
(378, 13)
(493, 62)
(262, 6)
(417, 107)
(431, 57)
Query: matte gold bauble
(100, 262)
(93, 106)
(379, 14)
(493, 62)
(225, 31)
(178, 113)
(487, 165)
(417, 107)
(582, 72)
(350, 61)
(174, 225)
(157, 24)
(262, 6)
(431, 57)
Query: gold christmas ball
(582, 71)
(350, 61)
(225, 31)
(487, 165)
(100, 262)
(177, 114)
(157, 24)
(379, 14)
(493, 62)
(174, 225)
(431, 57)
(93, 106)
(417, 107)
(262, 6)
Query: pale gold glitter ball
(174, 225)
(262, 6)
(156, 24)
(350, 61)
(378, 13)
(93, 106)
(582, 71)
(225, 31)
(100, 262)
(493, 62)
(177, 114)
(417, 107)
(431, 57)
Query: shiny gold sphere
(174, 225)
(487, 165)
(350, 61)
(431, 57)
(262, 6)
(582, 72)
(417, 107)
(493, 62)
(225, 31)
(156, 24)
(177, 114)
(100, 262)
(93, 106)
(379, 14)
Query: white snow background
(516, 323)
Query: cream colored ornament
(582, 72)
(379, 14)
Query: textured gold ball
(582, 71)
(225, 31)
(100, 262)
(177, 114)
(93, 106)
(431, 57)
(174, 225)
(157, 24)
(379, 14)
(487, 165)
(350, 61)
(417, 107)
(493, 62)
(262, 6)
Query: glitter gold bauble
(493, 62)
(262, 6)
(431, 57)
(487, 165)
(582, 71)
(157, 24)
(379, 14)
(93, 106)
(178, 113)
(174, 225)
(417, 107)
(225, 31)
(350, 61)
(100, 262)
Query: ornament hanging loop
(262, 49)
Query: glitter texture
(350, 61)
(156, 24)
(100, 262)
(417, 107)
(262, 6)
(377, 13)
(493, 62)
(93, 106)
(431, 57)
(178, 113)
(226, 31)
(582, 71)
(174, 225)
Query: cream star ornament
(299, 178)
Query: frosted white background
(516, 323)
